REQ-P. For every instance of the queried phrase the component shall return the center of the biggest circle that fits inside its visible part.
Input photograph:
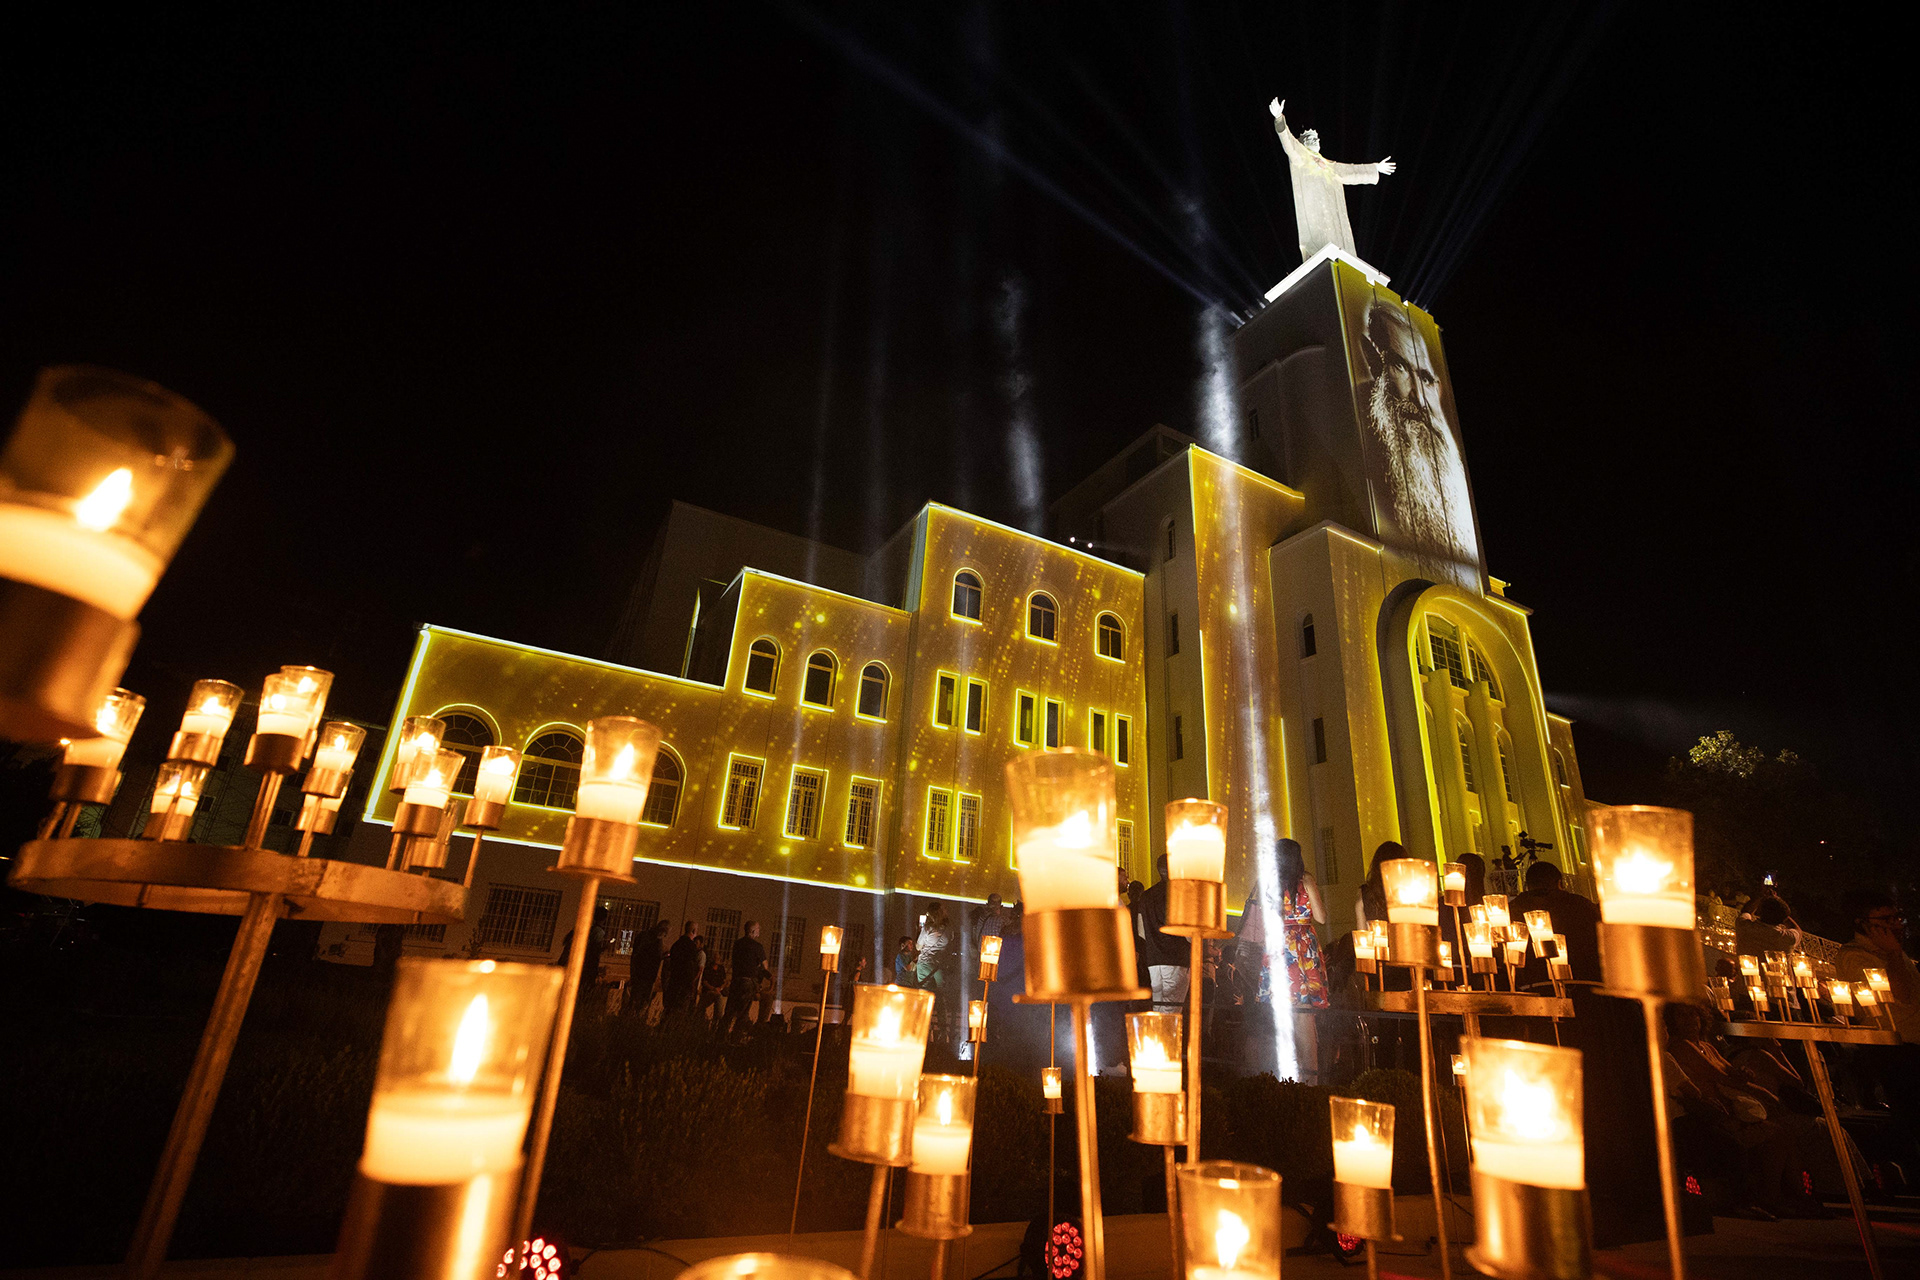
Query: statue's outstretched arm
(1363, 174)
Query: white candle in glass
(1638, 895)
(1362, 1160)
(211, 717)
(434, 1136)
(1230, 1238)
(100, 753)
(1061, 868)
(1153, 1073)
(432, 788)
(75, 554)
(939, 1143)
(494, 779)
(332, 756)
(611, 801)
(283, 715)
(1556, 1156)
(178, 796)
(885, 1064)
(1197, 851)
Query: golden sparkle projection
(807, 783)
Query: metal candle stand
(829, 965)
(934, 1206)
(257, 884)
(1416, 948)
(1366, 1212)
(1161, 1120)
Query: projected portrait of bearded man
(1414, 456)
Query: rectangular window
(939, 807)
(1173, 634)
(803, 804)
(1179, 741)
(976, 706)
(1053, 724)
(1307, 645)
(1329, 863)
(1319, 740)
(742, 801)
(1125, 846)
(1023, 721)
(788, 939)
(432, 934)
(723, 930)
(1097, 730)
(943, 695)
(862, 799)
(966, 845)
(518, 917)
(1444, 645)
(1122, 740)
(626, 919)
(1169, 539)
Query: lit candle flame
(500, 764)
(212, 707)
(1153, 1054)
(470, 1042)
(1641, 873)
(946, 1106)
(1076, 832)
(887, 1025)
(99, 509)
(1364, 1136)
(1230, 1238)
(1530, 1108)
(276, 701)
(622, 763)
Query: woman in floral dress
(1300, 908)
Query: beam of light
(874, 65)
(1023, 433)
(1217, 411)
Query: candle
(1050, 1082)
(1864, 996)
(1063, 820)
(1362, 1143)
(889, 1040)
(1803, 975)
(339, 744)
(830, 940)
(1480, 940)
(1460, 1066)
(1497, 913)
(1362, 944)
(1841, 993)
(210, 708)
(1454, 878)
(1540, 929)
(1377, 930)
(943, 1124)
(1197, 840)
(1558, 966)
(1758, 995)
(1749, 967)
(419, 739)
(313, 684)
(977, 1019)
(1516, 952)
(1524, 1102)
(176, 788)
(1230, 1220)
(1153, 1052)
(616, 769)
(61, 552)
(1876, 980)
(1413, 891)
(454, 1088)
(1477, 913)
(285, 708)
(1446, 955)
(114, 720)
(494, 778)
(990, 945)
(1643, 863)
(432, 784)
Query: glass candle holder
(210, 709)
(1840, 993)
(943, 1124)
(1050, 1082)
(114, 720)
(616, 769)
(1757, 994)
(316, 685)
(764, 1266)
(1363, 944)
(1477, 913)
(1749, 966)
(101, 479)
(889, 1040)
(1063, 829)
(1524, 1101)
(1413, 891)
(1774, 965)
(1362, 1142)
(1460, 1067)
(1516, 951)
(1453, 878)
(1497, 913)
(1480, 940)
(1540, 929)
(176, 788)
(830, 936)
(285, 708)
(1153, 1052)
(1558, 964)
(1720, 991)
(1446, 954)
(493, 780)
(1803, 975)
(1377, 930)
(433, 779)
(1876, 979)
(458, 1062)
(1197, 840)
(1643, 865)
(990, 945)
(976, 1020)
(338, 745)
(1865, 997)
(419, 739)
(1230, 1221)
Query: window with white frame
(863, 798)
(803, 804)
(742, 801)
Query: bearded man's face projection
(1421, 471)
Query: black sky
(478, 291)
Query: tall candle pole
(830, 937)
(887, 1046)
(1363, 1173)
(1530, 1208)
(1196, 907)
(1159, 1105)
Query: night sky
(478, 292)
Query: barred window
(1040, 616)
(742, 801)
(818, 690)
(550, 770)
(1483, 670)
(1444, 645)
(873, 691)
(663, 793)
(763, 666)
(861, 800)
(433, 933)
(787, 941)
(803, 805)
(518, 917)
(467, 734)
(967, 844)
(1112, 640)
(966, 595)
(1124, 845)
(1466, 753)
(723, 930)
(627, 919)
(939, 805)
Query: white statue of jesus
(1319, 205)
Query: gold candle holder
(1197, 868)
(764, 1266)
(831, 936)
(1413, 912)
(977, 1022)
(1230, 1221)
(176, 794)
(1159, 1102)
(428, 795)
(100, 480)
(319, 813)
(888, 1046)
(89, 768)
(990, 957)
(1453, 884)
(1050, 1099)
(1364, 960)
(434, 1192)
(203, 728)
(1532, 1220)
(615, 771)
(337, 748)
(1540, 930)
(492, 785)
(415, 745)
(1363, 1171)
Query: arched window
(663, 793)
(1483, 670)
(467, 734)
(1040, 616)
(1466, 753)
(763, 665)
(966, 595)
(1560, 768)
(818, 689)
(550, 770)
(1112, 639)
(873, 691)
(1307, 649)
(1506, 767)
